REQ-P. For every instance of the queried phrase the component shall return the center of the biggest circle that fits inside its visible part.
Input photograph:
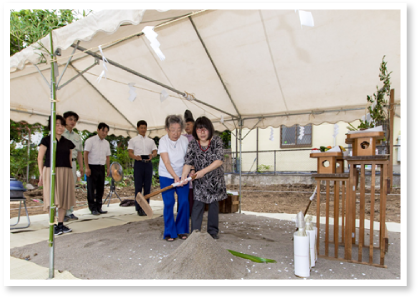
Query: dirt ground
(145, 255)
(289, 198)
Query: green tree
(19, 158)
(226, 138)
(27, 26)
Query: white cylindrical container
(301, 255)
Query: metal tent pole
(27, 168)
(149, 79)
(53, 147)
(240, 163)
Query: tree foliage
(27, 26)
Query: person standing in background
(142, 149)
(64, 183)
(96, 155)
(71, 119)
(188, 118)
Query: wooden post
(372, 198)
(336, 216)
(391, 136)
(362, 211)
(318, 214)
(327, 218)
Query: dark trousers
(95, 187)
(143, 179)
(213, 216)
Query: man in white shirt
(71, 119)
(96, 154)
(142, 149)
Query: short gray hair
(174, 119)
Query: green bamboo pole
(52, 158)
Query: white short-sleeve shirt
(98, 150)
(176, 151)
(141, 145)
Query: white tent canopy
(260, 66)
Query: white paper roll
(312, 245)
(301, 254)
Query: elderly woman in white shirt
(172, 149)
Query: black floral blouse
(211, 187)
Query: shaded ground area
(290, 198)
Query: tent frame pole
(240, 163)
(80, 73)
(214, 66)
(103, 96)
(53, 147)
(40, 72)
(149, 79)
(68, 62)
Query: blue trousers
(181, 224)
(142, 179)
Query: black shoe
(215, 236)
(65, 229)
(141, 212)
(102, 211)
(95, 213)
(57, 230)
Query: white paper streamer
(132, 92)
(313, 195)
(163, 95)
(336, 130)
(104, 66)
(301, 132)
(312, 246)
(271, 134)
(152, 37)
(310, 231)
(306, 18)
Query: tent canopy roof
(258, 65)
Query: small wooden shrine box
(364, 144)
(333, 159)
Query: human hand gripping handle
(167, 188)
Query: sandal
(169, 239)
(183, 236)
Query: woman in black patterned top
(205, 154)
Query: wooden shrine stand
(358, 209)
(340, 181)
(348, 243)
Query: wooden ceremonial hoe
(142, 201)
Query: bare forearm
(215, 164)
(80, 160)
(86, 160)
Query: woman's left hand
(200, 174)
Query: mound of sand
(200, 257)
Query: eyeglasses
(202, 130)
(174, 131)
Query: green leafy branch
(252, 258)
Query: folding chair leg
(18, 217)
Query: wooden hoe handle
(155, 193)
